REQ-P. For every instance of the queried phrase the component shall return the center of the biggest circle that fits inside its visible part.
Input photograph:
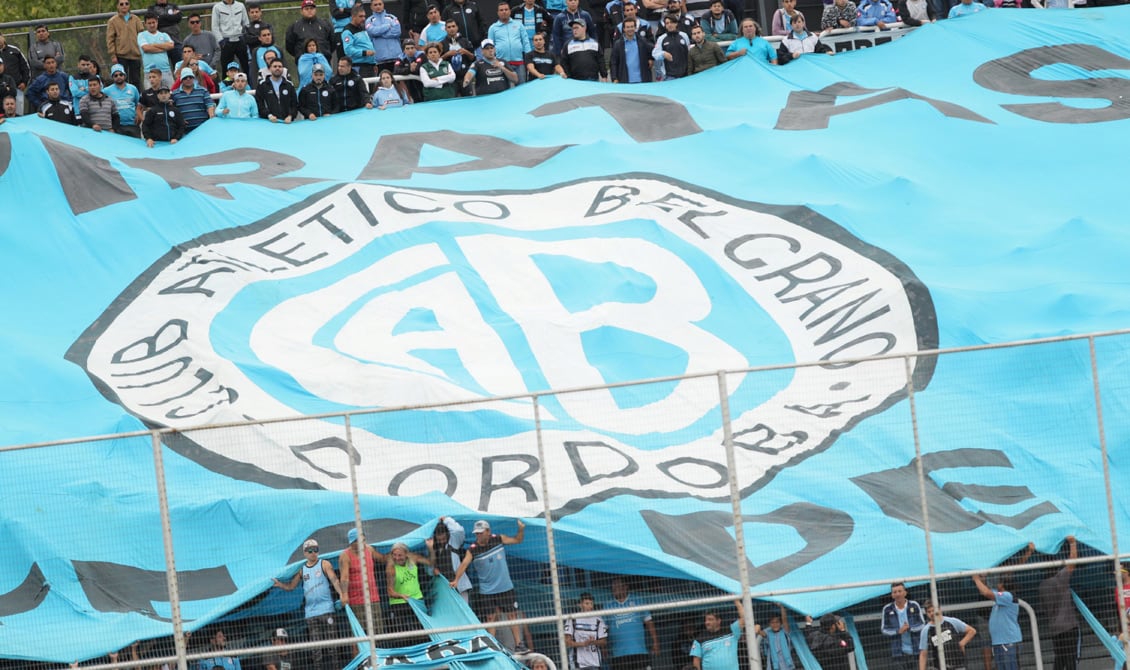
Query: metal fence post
(753, 649)
(1119, 580)
(550, 547)
(170, 558)
(365, 587)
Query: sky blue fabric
(960, 186)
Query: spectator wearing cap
(830, 642)
(317, 99)
(237, 103)
(163, 122)
(229, 18)
(582, 57)
(511, 41)
(562, 32)
(229, 77)
(193, 101)
(489, 74)
(278, 101)
(309, 26)
(316, 577)
(97, 110)
(310, 58)
(433, 31)
(121, 41)
(466, 15)
(496, 590)
(384, 31)
(127, 100)
(359, 577)
(280, 659)
(202, 79)
(357, 44)
(155, 47)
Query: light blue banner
(960, 186)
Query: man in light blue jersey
(488, 553)
(626, 631)
(716, 648)
(316, 576)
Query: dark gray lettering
(445, 649)
(704, 538)
(89, 182)
(733, 245)
(27, 596)
(320, 217)
(888, 341)
(285, 255)
(763, 439)
(832, 266)
(403, 475)
(153, 345)
(1013, 74)
(812, 110)
(227, 395)
(363, 208)
(818, 297)
(839, 329)
(183, 172)
(179, 364)
(501, 210)
(586, 476)
(605, 195)
(112, 587)
(398, 156)
(889, 490)
(689, 464)
(646, 118)
(195, 284)
(519, 482)
(202, 376)
(300, 451)
(673, 201)
(393, 200)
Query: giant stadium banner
(959, 186)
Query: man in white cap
(279, 660)
(238, 103)
(488, 553)
(193, 101)
(316, 577)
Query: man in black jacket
(641, 70)
(278, 101)
(163, 121)
(349, 88)
(317, 98)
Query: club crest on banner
(370, 296)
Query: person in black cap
(278, 660)
(830, 642)
(163, 121)
(581, 57)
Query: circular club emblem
(367, 296)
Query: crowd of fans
(164, 82)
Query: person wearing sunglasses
(316, 576)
